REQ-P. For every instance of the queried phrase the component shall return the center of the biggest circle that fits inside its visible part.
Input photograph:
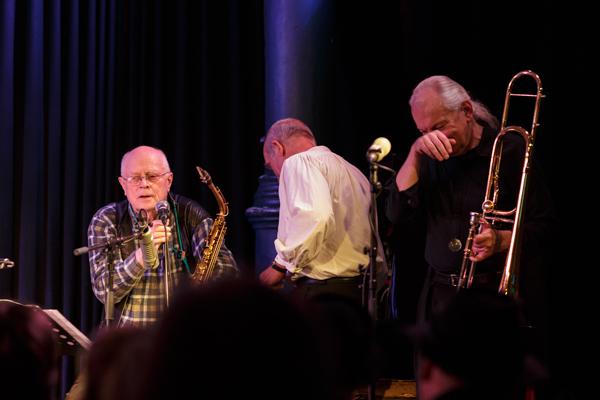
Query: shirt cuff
(288, 265)
(133, 268)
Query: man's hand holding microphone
(153, 235)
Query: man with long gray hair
(444, 178)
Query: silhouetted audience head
(347, 334)
(28, 353)
(115, 362)
(234, 340)
(474, 345)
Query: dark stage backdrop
(83, 82)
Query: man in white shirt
(323, 234)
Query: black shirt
(448, 191)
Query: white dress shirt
(323, 217)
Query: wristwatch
(278, 268)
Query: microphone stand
(108, 247)
(6, 263)
(166, 263)
(372, 282)
(374, 223)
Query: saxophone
(205, 267)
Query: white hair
(453, 95)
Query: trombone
(509, 281)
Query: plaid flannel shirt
(140, 292)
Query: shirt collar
(484, 148)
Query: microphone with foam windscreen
(149, 254)
(379, 149)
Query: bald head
(146, 178)
(157, 154)
(285, 138)
(287, 130)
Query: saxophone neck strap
(179, 252)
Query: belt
(331, 281)
(482, 278)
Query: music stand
(71, 341)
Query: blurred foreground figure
(235, 340)
(474, 348)
(28, 353)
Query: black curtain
(83, 82)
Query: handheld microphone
(379, 149)
(148, 250)
(162, 210)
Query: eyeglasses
(150, 178)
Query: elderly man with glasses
(140, 290)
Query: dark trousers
(345, 329)
(349, 288)
(437, 291)
(439, 288)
